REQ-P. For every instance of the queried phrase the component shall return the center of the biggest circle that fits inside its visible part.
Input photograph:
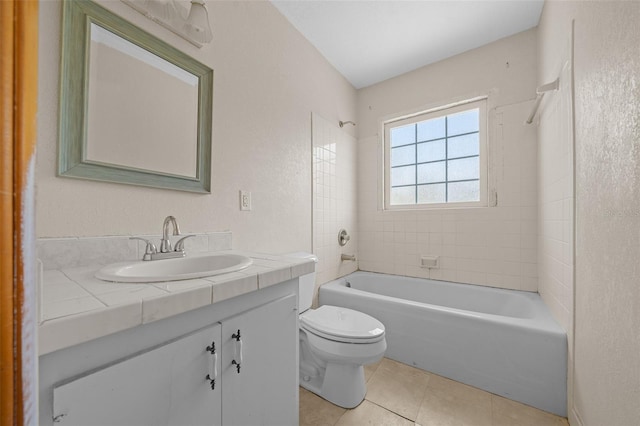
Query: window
(437, 158)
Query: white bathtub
(502, 341)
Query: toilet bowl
(335, 345)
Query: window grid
(432, 140)
(446, 160)
(446, 156)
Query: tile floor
(398, 394)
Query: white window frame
(478, 102)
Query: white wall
(267, 80)
(605, 369)
(495, 246)
(334, 198)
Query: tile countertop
(76, 307)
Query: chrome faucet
(166, 251)
(165, 244)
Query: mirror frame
(72, 143)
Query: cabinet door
(264, 391)
(163, 386)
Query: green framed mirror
(133, 109)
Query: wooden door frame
(18, 106)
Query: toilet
(335, 345)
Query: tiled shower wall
(493, 246)
(557, 185)
(556, 199)
(334, 198)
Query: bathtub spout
(348, 257)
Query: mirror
(133, 109)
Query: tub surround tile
(335, 197)
(470, 277)
(78, 307)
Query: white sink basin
(183, 268)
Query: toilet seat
(342, 325)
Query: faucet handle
(149, 249)
(343, 237)
(180, 243)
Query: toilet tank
(307, 282)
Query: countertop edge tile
(170, 304)
(68, 331)
(227, 289)
(57, 309)
(303, 268)
(275, 276)
(74, 328)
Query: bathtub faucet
(351, 257)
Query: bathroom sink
(184, 268)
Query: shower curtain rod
(540, 91)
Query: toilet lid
(342, 324)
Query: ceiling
(369, 41)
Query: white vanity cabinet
(260, 391)
(163, 386)
(255, 373)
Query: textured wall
(267, 80)
(494, 246)
(607, 342)
(605, 370)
